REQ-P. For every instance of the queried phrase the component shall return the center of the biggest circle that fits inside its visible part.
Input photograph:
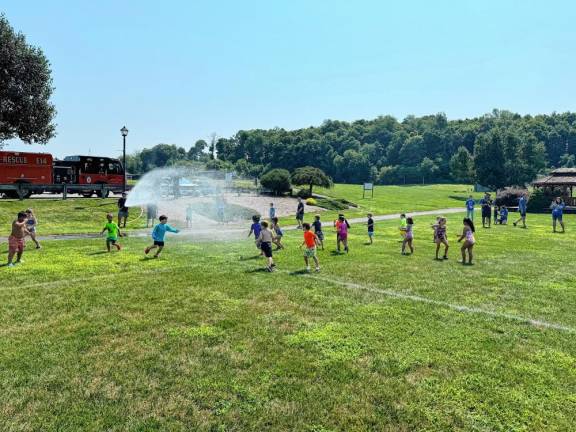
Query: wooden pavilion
(559, 182)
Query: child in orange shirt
(310, 241)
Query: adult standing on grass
(300, 213)
(557, 207)
(122, 211)
(522, 207)
(470, 207)
(486, 204)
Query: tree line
(496, 150)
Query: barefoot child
(278, 233)
(310, 241)
(256, 228)
(370, 224)
(468, 237)
(318, 230)
(440, 237)
(16, 241)
(266, 238)
(31, 224)
(408, 236)
(158, 234)
(402, 227)
(113, 233)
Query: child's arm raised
(171, 229)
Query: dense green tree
(462, 165)
(277, 180)
(197, 150)
(25, 89)
(311, 176)
(427, 169)
(489, 162)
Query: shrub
(277, 180)
(509, 196)
(540, 200)
(311, 202)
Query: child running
(310, 241)
(255, 228)
(158, 234)
(113, 232)
(278, 233)
(342, 227)
(370, 224)
(317, 224)
(408, 236)
(468, 237)
(16, 240)
(31, 224)
(440, 237)
(265, 239)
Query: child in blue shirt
(255, 228)
(470, 208)
(503, 215)
(158, 234)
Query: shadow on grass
(258, 270)
(250, 258)
(97, 253)
(299, 272)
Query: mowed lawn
(203, 339)
(71, 216)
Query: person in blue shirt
(557, 207)
(522, 207)
(255, 228)
(503, 215)
(470, 207)
(158, 234)
(271, 212)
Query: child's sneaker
(317, 269)
(308, 269)
(11, 265)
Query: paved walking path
(233, 230)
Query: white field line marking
(456, 307)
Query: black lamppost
(124, 132)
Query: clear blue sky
(176, 71)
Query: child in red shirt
(310, 241)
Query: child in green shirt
(113, 233)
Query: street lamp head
(124, 131)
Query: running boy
(370, 224)
(318, 230)
(31, 224)
(16, 241)
(113, 233)
(266, 238)
(158, 234)
(255, 228)
(468, 237)
(310, 241)
(408, 236)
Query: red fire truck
(42, 170)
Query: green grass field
(71, 216)
(203, 339)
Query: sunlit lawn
(203, 339)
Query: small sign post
(368, 187)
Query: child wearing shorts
(310, 242)
(113, 233)
(158, 234)
(16, 240)
(266, 238)
(255, 228)
(278, 233)
(370, 225)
